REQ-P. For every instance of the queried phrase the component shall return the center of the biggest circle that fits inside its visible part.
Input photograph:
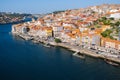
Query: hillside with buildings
(94, 27)
(12, 17)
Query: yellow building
(48, 31)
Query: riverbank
(86, 52)
(16, 22)
(68, 46)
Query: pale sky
(45, 6)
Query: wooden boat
(111, 62)
(80, 55)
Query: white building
(24, 30)
(115, 15)
(13, 29)
(57, 30)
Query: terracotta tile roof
(110, 40)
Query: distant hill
(8, 17)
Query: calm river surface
(24, 60)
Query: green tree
(111, 18)
(58, 40)
(111, 37)
(117, 23)
(106, 22)
(112, 25)
(104, 18)
(106, 33)
(97, 26)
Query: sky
(46, 6)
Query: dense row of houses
(72, 36)
(70, 26)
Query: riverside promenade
(74, 48)
(85, 51)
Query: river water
(24, 60)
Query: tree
(97, 26)
(112, 25)
(111, 37)
(56, 12)
(104, 18)
(117, 23)
(95, 22)
(111, 18)
(57, 40)
(106, 22)
(106, 33)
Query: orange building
(109, 43)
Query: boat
(47, 45)
(76, 53)
(111, 62)
(80, 55)
(34, 41)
